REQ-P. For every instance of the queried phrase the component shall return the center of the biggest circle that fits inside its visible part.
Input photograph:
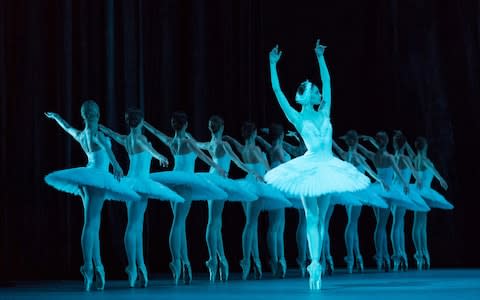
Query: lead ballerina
(317, 173)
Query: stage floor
(434, 284)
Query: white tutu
(72, 180)
(433, 198)
(366, 196)
(296, 202)
(269, 198)
(152, 189)
(396, 196)
(236, 190)
(189, 185)
(313, 175)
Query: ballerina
(352, 240)
(278, 154)
(140, 153)
(184, 181)
(269, 198)
(386, 168)
(405, 165)
(316, 173)
(93, 183)
(426, 171)
(221, 153)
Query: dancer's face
(90, 113)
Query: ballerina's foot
(224, 270)
(132, 275)
(175, 268)
(302, 266)
(283, 267)
(257, 268)
(143, 276)
(187, 273)
(315, 272)
(212, 269)
(245, 264)
(99, 277)
(87, 272)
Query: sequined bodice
(317, 137)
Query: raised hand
(163, 161)
(275, 55)
(443, 184)
(319, 49)
(51, 115)
(117, 172)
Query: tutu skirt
(396, 196)
(150, 189)
(189, 185)
(366, 196)
(237, 190)
(72, 180)
(313, 175)
(269, 198)
(433, 198)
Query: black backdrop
(410, 65)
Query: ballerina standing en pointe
(221, 153)
(268, 197)
(93, 183)
(427, 172)
(317, 173)
(366, 197)
(185, 182)
(140, 153)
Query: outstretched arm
(201, 145)
(410, 151)
(205, 157)
(160, 135)
(291, 114)
(367, 153)
(437, 175)
(146, 146)
(235, 143)
(64, 124)
(339, 150)
(117, 169)
(234, 157)
(409, 164)
(325, 77)
(119, 138)
(263, 142)
(399, 174)
(369, 139)
(261, 157)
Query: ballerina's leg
(301, 238)
(315, 211)
(273, 227)
(93, 203)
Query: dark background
(397, 64)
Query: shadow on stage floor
(433, 284)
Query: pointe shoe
(187, 273)
(349, 261)
(396, 262)
(360, 264)
(273, 267)
(387, 264)
(427, 261)
(175, 266)
(245, 264)
(87, 272)
(419, 260)
(223, 268)
(283, 267)
(143, 276)
(330, 265)
(302, 266)
(212, 266)
(315, 271)
(132, 275)
(257, 268)
(99, 277)
(404, 262)
(379, 262)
